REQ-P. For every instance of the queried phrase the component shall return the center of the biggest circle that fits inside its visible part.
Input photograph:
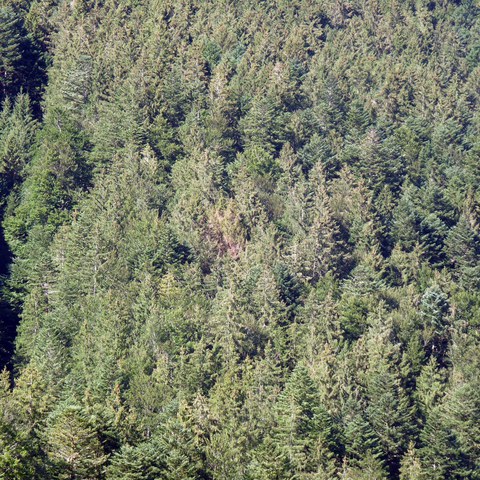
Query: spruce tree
(11, 52)
(463, 249)
(305, 436)
(73, 444)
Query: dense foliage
(243, 239)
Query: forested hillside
(240, 239)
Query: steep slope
(245, 239)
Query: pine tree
(16, 142)
(406, 220)
(317, 151)
(16, 453)
(389, 411)
(368, 468)
(390, 415)
(439, 454)
(434, 309)
(411, 468)
(318, 247)
(227, 227)
(430, 386)
(73, 444)
(361, 442)
(11, 52)
(182, 455)
(305, 435)
(462, 247)
(262, 126)
(32, 399)
(142, 462)
(433, 232)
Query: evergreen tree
(73, 444)
(11, 51)
(462, 247)
(434, 312)
(22, 67)
(411, 469)
(242, 239)
(262, 125)
(304, 440)
(16, 142)
(368, 467)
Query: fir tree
(74, 445)
(11, 51)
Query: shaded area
(8, 316)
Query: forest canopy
(240, 239)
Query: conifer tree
(16, 142)
(262, 125)
(434, 313)
(462, 247)
(430, 386)
(411, 468)
(11, 51)
(243, 239)
(304, 440)
(318, 247)
(73, 444)
(369, 467)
